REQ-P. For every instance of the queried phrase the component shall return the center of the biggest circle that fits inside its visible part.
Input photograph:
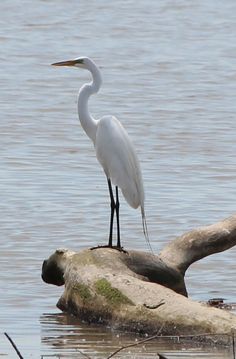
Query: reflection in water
(64, 335)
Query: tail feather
(145, 229)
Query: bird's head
(81, 62)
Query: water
(169, 76)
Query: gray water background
(169, 76)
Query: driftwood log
(140, 291)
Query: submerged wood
(140, 291)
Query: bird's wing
(118, 158)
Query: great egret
(114, 149)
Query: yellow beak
(65, 63)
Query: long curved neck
(88, 123)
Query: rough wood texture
(200, 243)
(139, 291)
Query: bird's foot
(120, 249)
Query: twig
(155, 306)
(84, 354)
(137, 343)
(171, 337)
(14, 346)
(233, 347)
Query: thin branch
(171, 337)
(84, 354)
(14, 346)
(137, 343)
(199, 243)
(233, 347)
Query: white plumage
(114, 149)
(116, 154)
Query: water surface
(169, 76)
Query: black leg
(117, 218)
(113, 206)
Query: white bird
(114, 149)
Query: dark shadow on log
(153, 269)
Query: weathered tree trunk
(139, 291)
